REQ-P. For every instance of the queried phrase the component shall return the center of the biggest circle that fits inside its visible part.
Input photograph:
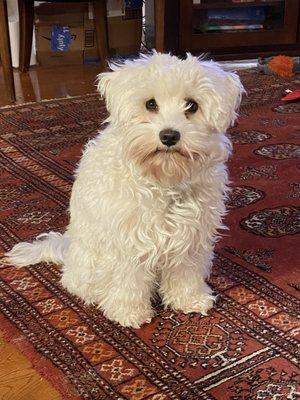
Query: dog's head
(171, 113)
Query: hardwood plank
(18, 380)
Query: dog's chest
(179, 222)
(173, 214)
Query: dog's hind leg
(79, 275)
(122, 292)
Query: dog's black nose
(169, 137)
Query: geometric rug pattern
(246, 348)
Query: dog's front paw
(201, 304)
(130, 317)
(193, 304)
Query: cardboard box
(68, 13)
(124, 35)
(90, 49)
(115, 8)
(60, 33)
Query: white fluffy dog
(149, 192)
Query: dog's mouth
(176, 154)
(168, 152)
(168, 166)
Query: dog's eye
(191, 106)
(151, 105)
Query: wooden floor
(18, 380)
(51, 82)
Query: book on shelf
(238, 27)
(256, 14)
(252, 1)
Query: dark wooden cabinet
(274, 29)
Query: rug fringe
(28, 103)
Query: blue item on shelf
(237, 14)
(133, 4)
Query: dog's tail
(47, 247)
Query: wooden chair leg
(5, 54)
(159, 20)
(101, 29)
(26, 14)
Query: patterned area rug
(245, 349)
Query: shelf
(225, 4)
(281, 26)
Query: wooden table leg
(5, 54)
(101, 29)
(26, 13)
(159, 20)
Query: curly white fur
(144, 217)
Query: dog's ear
(106, 88)
(221, 96)
(107, 82)
(103, 81)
